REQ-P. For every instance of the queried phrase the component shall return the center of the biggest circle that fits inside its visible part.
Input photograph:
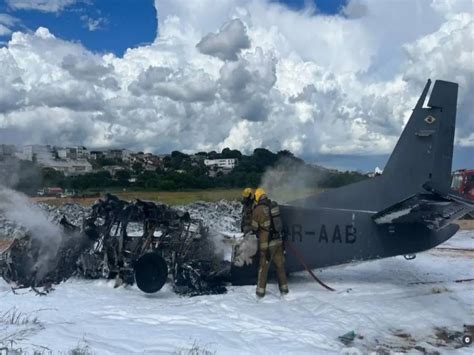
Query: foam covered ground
(390, 304)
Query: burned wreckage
(141, 241)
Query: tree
(30, 177)
(213, 155)
(178, 159)
(227, 153)
(122, 177)
(137, 168)
(52, 177)
(263, 158)
(148, 179)
(100, 179)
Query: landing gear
(151, 272)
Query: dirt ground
(466, 223)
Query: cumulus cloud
(247, 84)
(7, 22)
(270, 77)
(227, 43)
(40, 5)
(85, 66)
(454, 36)
(176, 85)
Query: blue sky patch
(328, 7)
(101, 26)
(113, 25)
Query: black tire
(151, 272)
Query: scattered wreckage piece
(27, 261)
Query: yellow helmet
(259, 193)
(247, 192)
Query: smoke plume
(47, 236)
(9, 168)
(290, 179)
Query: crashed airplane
(408, 209)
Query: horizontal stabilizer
(432, 210)
(452, 196)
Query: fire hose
(300, 258)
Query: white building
(73, 153)
(41, 153)
(62, 153)
(69, 167)
(82, 153)
(221, 163)
(80, 166)
(118, 154)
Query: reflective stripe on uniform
(275, 211)
(260, 290)
(266, 224)
(263, 245)
(254, 224)
(284, 288)
(274, 242)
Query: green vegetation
(29, 176)
(181, 197)
(333, 179)
(180, 171)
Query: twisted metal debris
(138, 241)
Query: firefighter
(248, 203)
(266, 222)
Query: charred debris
(144, 242)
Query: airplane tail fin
(424, 152)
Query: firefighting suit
(266, 222)
(247, 209)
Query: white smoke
(290, 179)
(47, 236)
(9, 168)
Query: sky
(333, 81)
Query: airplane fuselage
(326, 237)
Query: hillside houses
(78, 160)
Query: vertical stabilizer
(424, 151)
(422, 155)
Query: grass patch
(82, 348)
(16, 327)
(195, 349)
(183, 197)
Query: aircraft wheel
(151, 272)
